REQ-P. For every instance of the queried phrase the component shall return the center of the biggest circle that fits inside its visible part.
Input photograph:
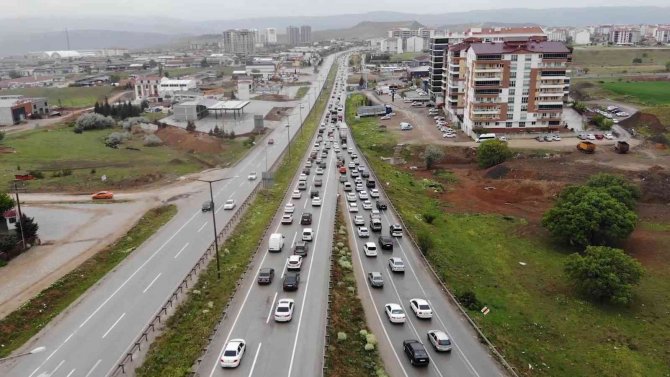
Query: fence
(326, 337)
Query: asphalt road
(93, 334)
(294, 348)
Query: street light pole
(20, 215)
(36, 350)
(216, 240)
(288, 136)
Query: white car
(297, 194)
(360, 187)
(439, 340)
(396, 264)
(395, 313)
(316, 201)
(448, 135)
(370, 249)
(284, 310)
(363, 195)
(352, 165)
(319, 171)
(609, 136)
(367, 205)
(591, 136)
(502, 138)
(556, 137)
(359, 220)
(230, 204)
(351, 197)
(289, 207)
(294, 262)
(252, 176)
(421, 308)
(232, 354)
(353, 207)
(374, 193)
(302, 177)
(307, 234)
(287, 219)
(363, 232)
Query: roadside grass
(396, 58)
(67, 97)
(187, 331)
(178, 72)
(616, 70)
(54, 150)
(22, 324)
(616, 56)
(536, 318)
(346, 355)
(644, 92)
(154, 116)
(302, 91)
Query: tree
(431, 155)
(29, 227)
(6, 202)
(14, 74)
(114, 78)
(667, 66)
(190, 126)
(604, 274)
(587, 216)
(637, 61)
(96, 108)
(601, 122)
(617, 186)
(361, 82)
(492, 152)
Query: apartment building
(239, 41)
(662, 34)
(408, 35)
(437, 47)
(168, 87)
(293, 35)
(515, 86)
(146, 87)
(305, 34)
(624, 35)
(271, 36)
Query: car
(370, 249)
(351, 197)
(343, 170)
(294, 262)
(306, 218)
(395, 313)
(539, 138)
(375, 224)
(421, 308)
(284, 310)
(591, 136)
(103, 195)
(381, 205)
(376, 280)
(583, 137)
(291, 281)
(302, 177)
(609, 136)
(354, 173)
(352, 165)
(599, 136)
(343, 178)
(313, 194)
(308, 164)
(416, 352)
(266, 275)
(395, 230)
(319, 171)
(439, 340)
(296, 194)
(347, 187)
(252, 176)
(316, 201)
(359, 220)
(548, 138)
(363, 232)
(363, 195)
(271, 141)
(207, 206)
(232, 353)
(556, 137)
(287, 219)
(370, 183)
(302, 186)
(289, 208)
(229, 204)
(385, 242)
(502, 138)
(300, 248)
(307, 234)
(448, 135)
(374, 193)
(367, 205)
(360, 187)
(353, 207)
(365, 174)
(357, 181)
(306, 171)
(396, 264)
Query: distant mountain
(364, 30)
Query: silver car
(439, 340)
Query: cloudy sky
(232, 9)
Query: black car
(265, 275)
(318, 182)
(314, 194)
(291, 281)
(322, 164)
(385, 242)
(381, 205)
(416, 352)
(306, 171)
(306, 218)
(371, 183)
(207, 206)
(300, 248)
(365, 174)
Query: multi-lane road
(91, 336)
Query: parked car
(599, 136)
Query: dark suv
(370, 183)
(306, 218)
(381, 205)
(291, 281)
(300, 248)
(314, 193)
(265, 275)
(386, 243)
(416, 352)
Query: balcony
(484, 118)
(487, 68)
(486, 111)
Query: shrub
(152, 141)
(2, 136)
(28, 226)
(8, 242)
(492, 152)
(425, 242)
(371, 339)
(190, 126)
(115, 138)
(93, 121)
(36, 174)
(432, 155)
(369, 347)
(341, 336)
(428, 218)
(469, 300)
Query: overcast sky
(232, 9)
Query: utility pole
(18, 207)
(216, 240)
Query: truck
(375, 110)
(621, 147)
(343, 133)
(586, 147)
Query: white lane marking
(202, 226)
(51, 355)
(115, 323)
(293, 242)
(283, 271)
(231, 194)
(57, 367)
(246, 297)
(241, 184)
(152, 282)
(253, 366)
(138, 270)
(71, 372)
(180, 250)
(271, 308)
(92, 369)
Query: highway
(294, 348)
(91, 336)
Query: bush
(617, 187)
(8, 242)
(36, 174)
(93, 121)
(152, 141)
(428, 218)
(341, 336)
(190, 126)
(425, 242)
(432, 155)
(469, 300)
(369, 347)
(2, 136)
(115, 139)
(28, 226)
(602, 123)
(492, 152)
(604, 274)
(6, 202)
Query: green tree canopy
(6, 202)
(605, 274)
(431, 155)
(492, 152)
(617, 186)
(587, 216)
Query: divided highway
(91, 336)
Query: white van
(307, 234)
(404, 126)
(484, 137)
(276, 243)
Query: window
(508, 124)
(515, 58)
(526, 91)
(524, 99)
(524, 107)
(512, 92)
(510, 100)
(510, 116)
(533, 123)
(522, 124)
(512, 75)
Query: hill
(363, 30)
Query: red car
(343, 170)
(600, 136)
(271, 141)
(103, 195)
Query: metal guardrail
(483, 337)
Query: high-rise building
(271, 36)
(406, 33)
(239, 41)
(305, 34)
(516, 85)
(437, 47)
(293, 35)
(624, 35)
(662, 34)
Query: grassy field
(187, 331)
(51, 150)
(644, 92)
(302, 91)
(22, 324)
(67, 97)
(536, 318)
(616, 56)
(178, 72)
(395, 58)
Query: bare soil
(277, 113)
(272, 97)
(181, 139)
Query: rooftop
(505, 47)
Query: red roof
(509, 47)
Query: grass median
(352, 348)
(188, 329)
(22, 324)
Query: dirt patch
(651, 123)
(7, 150)
(186, 141)
(272, 97)
(277, 113)
(655, 186)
